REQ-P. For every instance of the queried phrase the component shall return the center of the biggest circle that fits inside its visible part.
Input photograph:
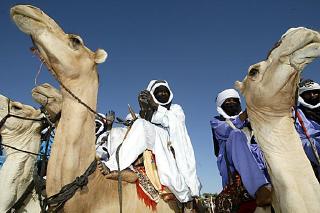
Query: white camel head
(48, 97)
(64, 54)
(13, 126)
(270, 84)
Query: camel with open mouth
(269, 89)
(73, 151)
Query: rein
(36, 52)
(55, 202)
(134, 118)
(79, 100)
(58, 200)
(30, 187)
(314, 149)
(21, 150)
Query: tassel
(143, 196)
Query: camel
(49, 98)
(269, 89)
(17, 172)
(75, 67)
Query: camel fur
(50, 98)
(73, 150)
(17, 171)
(269, 89)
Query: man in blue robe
(233, 139)
(308, 120)
(2, 156)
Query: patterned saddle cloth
(148, 192)
(149, 188)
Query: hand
(110, 116)
(244, 115)
(263, 195)
(146, 98)
(152, 104)
(143, 103)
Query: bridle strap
(50, 120)
(21, 150)
(3, 121)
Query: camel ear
(100, 56)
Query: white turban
(222, 96)
(101, 123)
(308, 86)
(155, 84)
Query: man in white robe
(162, 130)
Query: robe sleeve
(222, 129)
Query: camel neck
(74, 143)
(279, 130)
(28, 140)
(18, 167)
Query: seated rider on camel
(161, 129)
(232, 134)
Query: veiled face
(311, 97)
(231, 106)
(162, 94)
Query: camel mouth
(27, 19)
(311, 43)
(39, 95)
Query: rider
(308, 120)
(233, 138)
(161, 129)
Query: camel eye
(75, 42)
(16, 108)
(253, 72)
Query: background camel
(269, 89)
(50, 98)
(16, 173)
(74, 65)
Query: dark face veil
(309, 99)
(228, 109)
(160, 92)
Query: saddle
(145, 176)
